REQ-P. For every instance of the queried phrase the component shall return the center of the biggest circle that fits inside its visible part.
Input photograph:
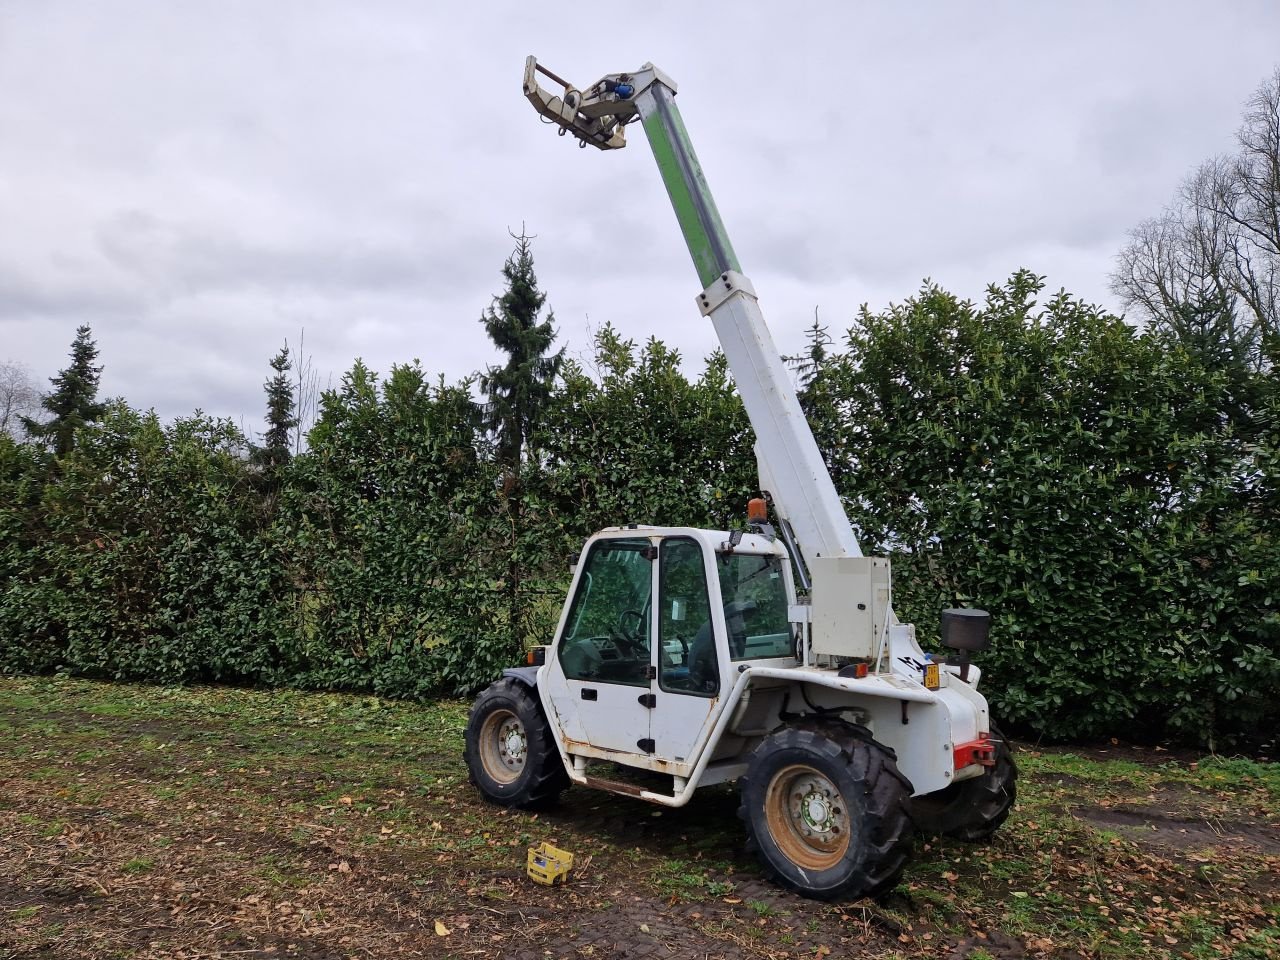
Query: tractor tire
(827, 811)
(511, 756)
(972, 810)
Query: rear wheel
(510, 753)
(972, 810)
(826, 811)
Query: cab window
(755, 605)
(606, 637)
(687, 651)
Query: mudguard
(526, 675)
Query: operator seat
(704, 677)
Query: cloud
(202, 181)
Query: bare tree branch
(1219, 242)
(18, 397)
(306, 394)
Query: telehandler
(769, 656)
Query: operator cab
(659, 620)
(609, 631)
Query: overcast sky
(200, 181)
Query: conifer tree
(280, 413)
(1208, 325)
(814, 370)
(518, 391)
(809, 364)
(74, 399)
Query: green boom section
(690, 196)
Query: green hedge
(1099, 490)
(1081, 481)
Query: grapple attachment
(595, 116)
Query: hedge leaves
(1101, 491)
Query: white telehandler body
(696, 657)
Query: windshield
(754, 592)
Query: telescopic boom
(792, 470)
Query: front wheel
(511, 756)
(972, 810)
(827, 812)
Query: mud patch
(1149, 825)
(1001, 946)
(998, 946)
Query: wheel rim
(807, 817)
(504, 746)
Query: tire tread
(888, 823)
(547, 778)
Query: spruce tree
(1208, 325)
(812, 368)
(74, 399)
(518, 391)
(274, 452)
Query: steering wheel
(627, 638)
(622, 622)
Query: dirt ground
(158, 823)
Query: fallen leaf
(644, 928)
(441, 929)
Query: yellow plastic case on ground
(549, 865)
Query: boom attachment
(597, 115)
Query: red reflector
(860, 670)
(982, 750)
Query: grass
(212, 820)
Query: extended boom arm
(791, 467)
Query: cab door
(688, 683)
(606, 651)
